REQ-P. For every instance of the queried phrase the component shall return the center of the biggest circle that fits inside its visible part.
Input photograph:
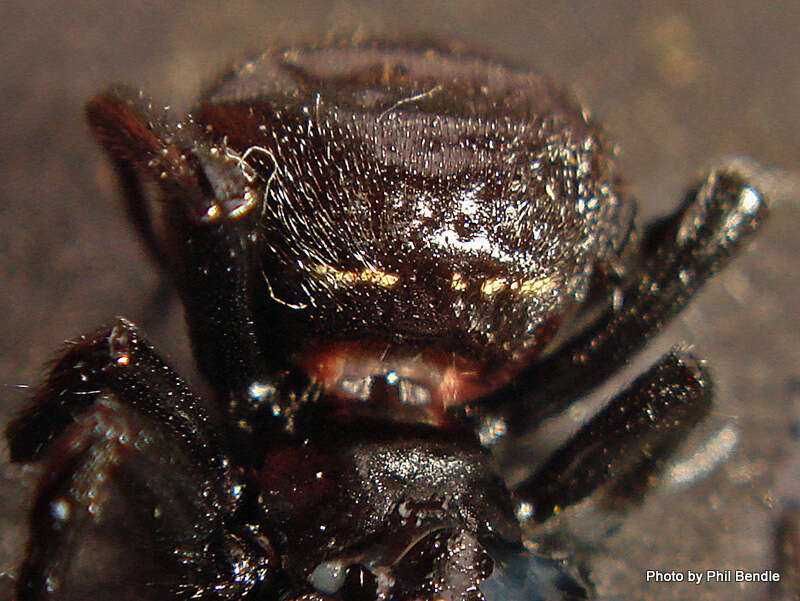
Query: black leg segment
(115, 359)
(628, 439)
(196, 205)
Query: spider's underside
(379, 250)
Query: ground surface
(678, 86)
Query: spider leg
(196, 206)
(679, 254)
(119, 430)
(626, 442)
(113, 358)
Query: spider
(388, 257)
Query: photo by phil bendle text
(712, 576)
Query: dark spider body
(409, 221)
(376, 247)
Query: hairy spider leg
(117, 359)
(112, 411)
(678, 255)
(196, 206)
(627, 441)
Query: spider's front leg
(196, 205)
(127, 446)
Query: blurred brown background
(680, 86)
